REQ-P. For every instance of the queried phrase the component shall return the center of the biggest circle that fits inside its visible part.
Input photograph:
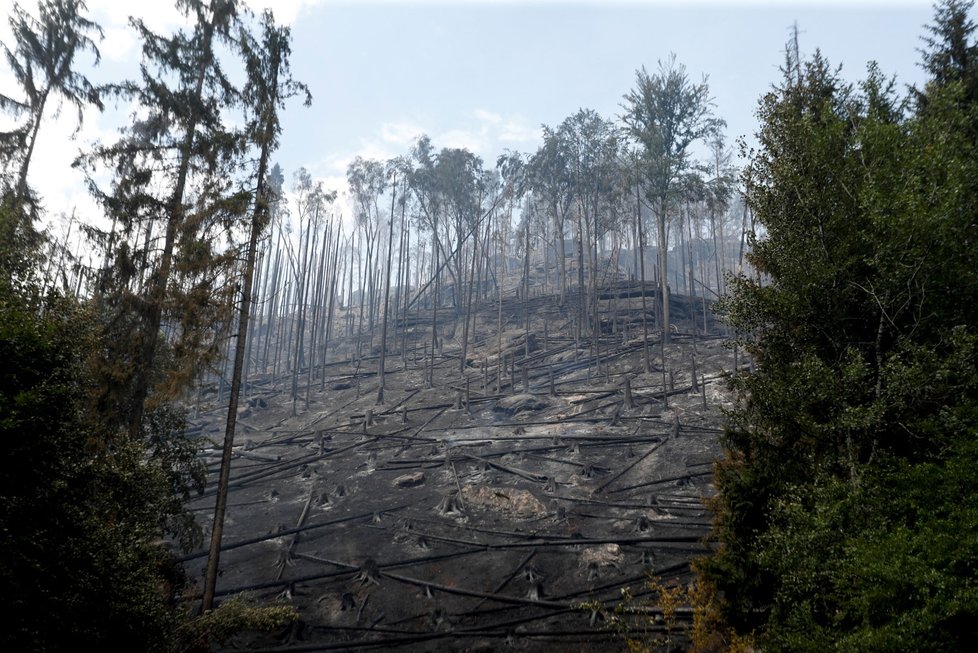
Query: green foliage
(78, 522)
(665, 615)
(19, 242)
(666, 114)
(90, 510)
(950, 56)
(174, 472)
(845, 516)
(655, 619)
(886, 566)
(175, 174)
(82, 515)
(42, 61)
(231, 617)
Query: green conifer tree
(175, 207)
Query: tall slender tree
(382, 369)
(269, 85)
(174, 165)
(950, 54)
(592, 149)
(549, 177)
(43, 63)
(719, 194)
(665, 114)
(845, 511)
(368, 183)
(42, 60)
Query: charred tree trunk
(302, 289)
(663, 271)
(641, 255)
(471, 290)
(387, 294)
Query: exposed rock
(410, 480)
(518, 404)
(511, 501)
(605, 555)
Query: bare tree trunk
(286, 317)
(579, 332)
(434, 304)
(692, 276)
(718, 264)
(48, 277)
(21, 186)
(641, 254)
(302, 290)
(546, 257)
(335, 279)
(258, 221)
(526, 287)
(471, 290)
(593, 294)
(270, 322)
(349, 298)
(387, 294)
(317, 310)
(663, 271)
(403, 280)
(562, 254)
(406, 284)
(252, 322)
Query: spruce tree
(43, 63)
(174, 172)
(42, 60)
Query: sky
(486, 75)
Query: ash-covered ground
(477, 510)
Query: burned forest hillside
(503, 501)
(405, 372)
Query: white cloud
(120, 43)
(402, 133)
(377, 150)
(470, 139)
(489, 134)
(62, 188)
(286, 11)
(488, 116)
(519, 132)
(483, 132)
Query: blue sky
(486, 75)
